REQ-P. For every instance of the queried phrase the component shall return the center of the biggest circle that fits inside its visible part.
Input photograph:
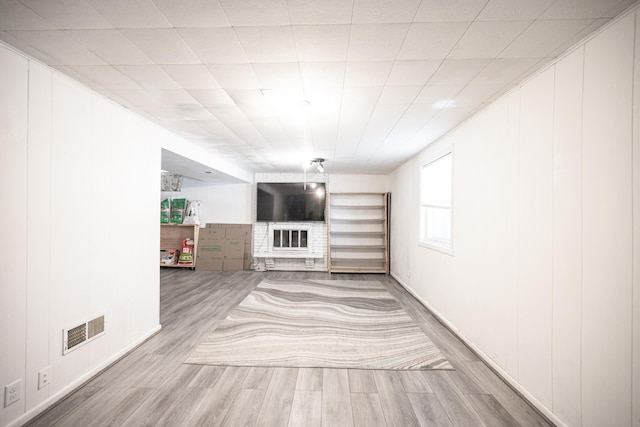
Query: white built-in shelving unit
(358, 233)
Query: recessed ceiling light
(209, 172)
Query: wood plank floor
(151, 386)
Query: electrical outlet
(12, 392)
(43, 378)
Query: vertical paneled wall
(544, 276)
(78, 226)
(13, 223)
(607, 226)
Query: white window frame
(445, 247)
(289, 227)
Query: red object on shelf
(186, 256)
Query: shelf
(357, 233)
(358, 260)
(171, 237)
(358, 247)
(356, 219)
(357, 269)
(358, 206)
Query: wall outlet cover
(43, 378)
(12, 392)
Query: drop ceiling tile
(193, 13)
(458, 111)
(14, 39)
(619, 8)
(431, 40)
(449, 10)
(268, 44)
(458, 71)
(382, 121)
(211, 97)
(270, 129)
(542, 37)
(504, 71)
(248, 98)
(256, 12)
(514, 10)
(408, 125)
(412, 73)
(162, 45)
(438, 96)
(349, 135)
(318, 43)
(360, 98)
(474, 94)
(215, 45)
(384, 11)
(128, 14)
(145, 100)
(175, 97)
(80, 78)
(235, 76)
(376, 42)
(15, 16)
(367, 73)
(432, 130)
(324, 103)
(148, 76)
(106, 77)
(111, 46)
(578, 37)
(421, 110)
(487, 39)
(63, 49)
(399, 94)
(68, 14)
(579, 9)
(277, 76)
(323, 74)
(191, 76)
(194, 113)
(313, 12)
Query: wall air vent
(81, 334)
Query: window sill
(437, 248)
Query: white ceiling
(268, 84)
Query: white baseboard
(486, 359)
(52, 400)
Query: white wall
(78, 229)
(219, 203)
(544, 278)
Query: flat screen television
(282, 202)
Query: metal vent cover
(76, 336)
(95, 327)
(81, 334)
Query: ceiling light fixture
(319, 164)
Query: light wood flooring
(151, 386)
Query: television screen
(290, 201)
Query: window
(289, 239)
(435, 202)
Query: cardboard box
(209, 264)
(232, 265)
(233, 249)
(235, 242)
(235, 233)
(211, 233)
(211, 250)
